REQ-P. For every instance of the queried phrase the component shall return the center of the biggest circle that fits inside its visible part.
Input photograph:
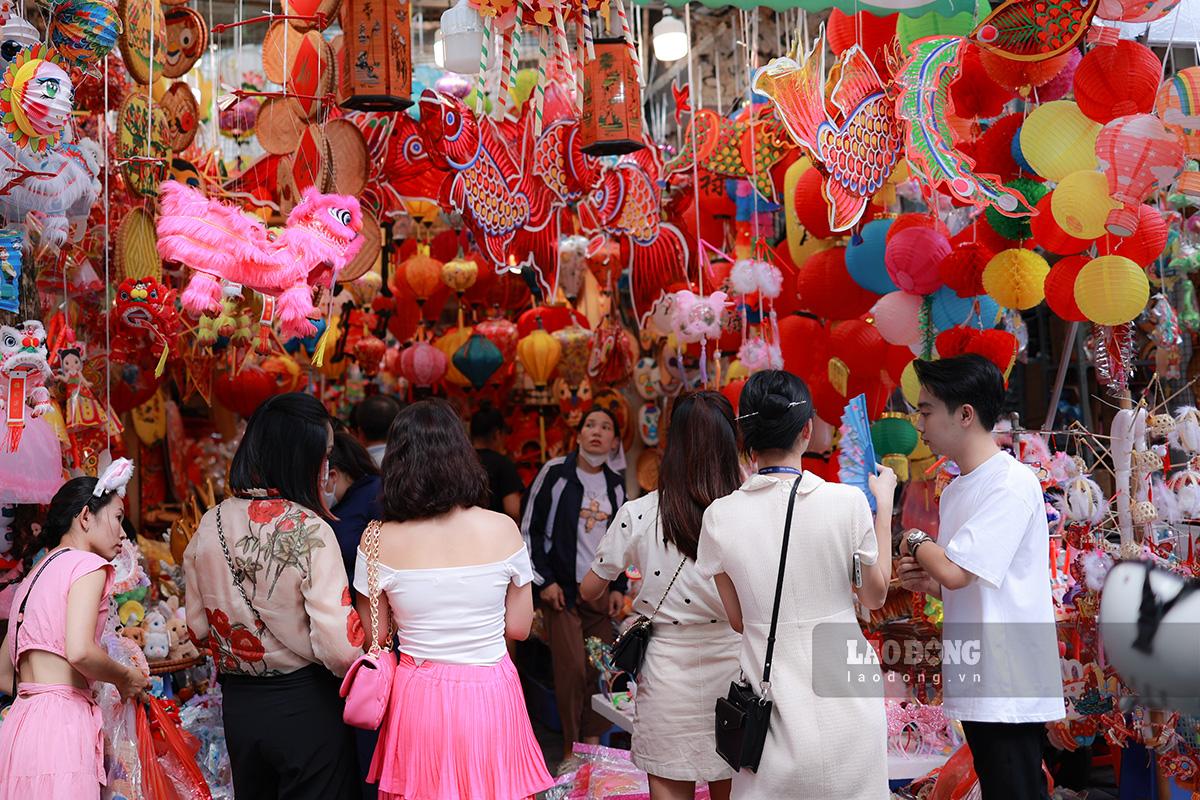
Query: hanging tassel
(162, 361)
(318, 359)
(704, 362)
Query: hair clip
(114, 478)
(753, 413)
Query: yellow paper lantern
(1111, 290)
(909, 385)
(538, 354)
(1016, 278)
(737, 372)
(1057, 139)
(450, 344)
(1080, 204)
(460, 274)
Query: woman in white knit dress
(693, 653)
(818, 747)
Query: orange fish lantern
(375, 61)
(612, 101)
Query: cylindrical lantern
(962, 269)
(1016, 278)
(898, 317)
(1080, 204)
(1115, 81)
(375, 69)
(894, 437)
(462, 38)
(1138, 156)
(422, 365)
(1145, 244)
(1060, 288)
(611, 123)
(1111, 290)
(1057, 139)
(1047, 234)
(912, 257)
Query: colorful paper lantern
(1145, 244)
(974, 94)
(423, 274)
(912, 258)
(478, 359)
(84, 31)
(1138, 156)
(1111, 290)
(1047, 233)
(916, 220)
(865, 258)
(993, 149)
(894, 437)
(1137, 10)
(962, 269)
(811, 208)
(898, 357)
(1178, 106)
(538, 354)
(502, 333)
(460, 274)
(36, 99)
(1016, 278)
(1060, 288)
(947, 310)
(1057, 139)
(1115, 81)
(375, 66)
(825, 288)
(859, 346)
(422, 364)
(1080, 204)
(1017, 228)
(611, 123)
(898, 318)
(1057, 87)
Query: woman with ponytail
(50, 742)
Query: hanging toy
(751, 276)
(1186, 435)
(90, 424)
(756, 355)
(694, 318)
(219, 242)
(1083, 502)
(36, 96)
(30, 455)
(143, 305)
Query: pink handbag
(367, 686)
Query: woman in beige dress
(827, 741)
(693, 653)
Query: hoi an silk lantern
(538, 354)
(1111, 290)
(611, 123)
(375, 69)
(450, 343)
(423, 365)
(478, 359)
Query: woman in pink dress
(51, 745)
(455, 578)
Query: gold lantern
(375, 64)
(612, 101)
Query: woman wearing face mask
(50, 742)
(570, 504)
(352, 493)
(266, 587)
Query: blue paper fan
(856, 456)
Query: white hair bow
(114, 478)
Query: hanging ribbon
(15, 412)
(264, 325)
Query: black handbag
(629, 649)
(745, 715)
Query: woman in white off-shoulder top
(455, 579)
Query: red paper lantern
(973, 93)
(1022, 76)
(1145, 244)
(553, 318)
(877, 392)
(733, 393)
(873, 34)
(611, 123)
(897, 358)
(1049, 236)
(826, 289)
(1116, 81)
(828, 402)
(999, 347)
(243, 392)
(1060, 288)
(859, 346)
(962, 269)
(912, 258)
(811, 208)
(915, 220)
(804, 344)
(993, 152)
(953, 341)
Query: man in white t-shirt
(991, 567)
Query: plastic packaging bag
(604, 773)
(176, 752)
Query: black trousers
(1008, 759)
(286, 737)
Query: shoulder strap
(787, 533)
(233, 574)
(370, 544)
(668, 591)
(21, 611)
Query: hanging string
(107, 295)
(687, 21)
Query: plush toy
(694, 317)
(157, 645)
(30, 455)
(220, 243)
(143, 306)
(181, 642)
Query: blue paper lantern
(864, 258)
(947, 310)
(1018, 156)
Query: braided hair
(68, 503)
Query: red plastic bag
(155, 783)
(176, 751)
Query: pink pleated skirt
(457, 732)
(51, 745)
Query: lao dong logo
(915, 652)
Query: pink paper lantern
(423, 365)
(912, 258)
(898, 318)
(1139, 156)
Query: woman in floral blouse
(267, 589)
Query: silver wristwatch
(915, 539)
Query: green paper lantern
(910, 29)
(1017, 228)
(894, 437)
(478, 359)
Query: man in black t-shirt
(487, 435)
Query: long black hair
(430, 467)
(775, 406)
(283, 449)
(350, 458)
(700, 465)
(68, 503)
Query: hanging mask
(645, 378)
(648, 419)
